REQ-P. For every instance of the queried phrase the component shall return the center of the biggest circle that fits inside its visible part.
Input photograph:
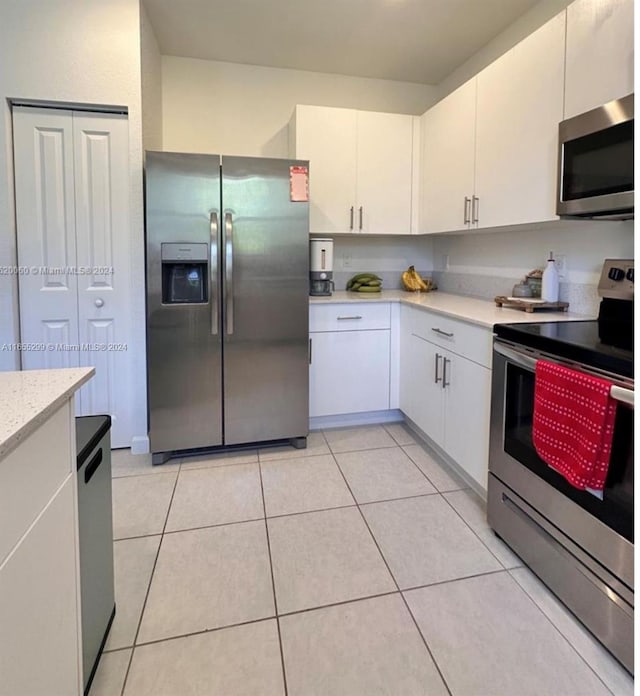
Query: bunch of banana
(365, 282)
(414, 283)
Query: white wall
(79, 52)
(151, 67)
(513, 253)
(226, 108)
(382, 253)
(540, 13)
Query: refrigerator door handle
(213, 297)
(228, 270)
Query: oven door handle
(622, 394)
(515, 357)
(626, 396)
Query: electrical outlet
(561, 265)
(445, 262)
(347, 261)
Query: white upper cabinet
(519, 106)
(383, 189)
(360, 169)
(326, 137)
(448, 160)
(599, 64)
(489, 149)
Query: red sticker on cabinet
(299, 183)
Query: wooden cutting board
(530, 305)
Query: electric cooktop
(580, 341)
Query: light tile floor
(357, 566)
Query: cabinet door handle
(441, 332)
(351, 218)
(467, 204)
(355, 316)
(444, 372)
(310, 351)
(360, 212)
(475, 209)
(438, 356)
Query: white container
(550, 281)
(321, 258)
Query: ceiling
(419, 41)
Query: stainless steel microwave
(595, 162)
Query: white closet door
(104, 287)
(72, 208)
(45, 213)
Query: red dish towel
(573, 417)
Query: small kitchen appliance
(579, 542)
(320, 267)
(595, 162)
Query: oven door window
(616, 508)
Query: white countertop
(470, 309)
(29, 397)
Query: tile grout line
(280, 516)
(395, 582)
(539, 608)
(478, 537)
(273, 582)
(307, 610)
(200, 632)
(146, 596)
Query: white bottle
(550, 281)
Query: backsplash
(488, 264)
(582, 297)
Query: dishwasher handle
(93, 465)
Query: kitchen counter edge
(31, 396)
(469, 309)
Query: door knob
(99, 302)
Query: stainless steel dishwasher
(93, 445)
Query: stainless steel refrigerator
(227, 301)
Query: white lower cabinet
(467, 398)
(349, 358)
(420, 394)
(442, 381)
(349, 372)
(40, 632)
(447, 395)
(38, 606)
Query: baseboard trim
(346, 420)
(443, 458)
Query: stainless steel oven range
(580, 545)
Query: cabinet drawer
(31, 474)
(350, 317)
(470, 341)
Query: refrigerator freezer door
(184, 343)
(266, 306)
